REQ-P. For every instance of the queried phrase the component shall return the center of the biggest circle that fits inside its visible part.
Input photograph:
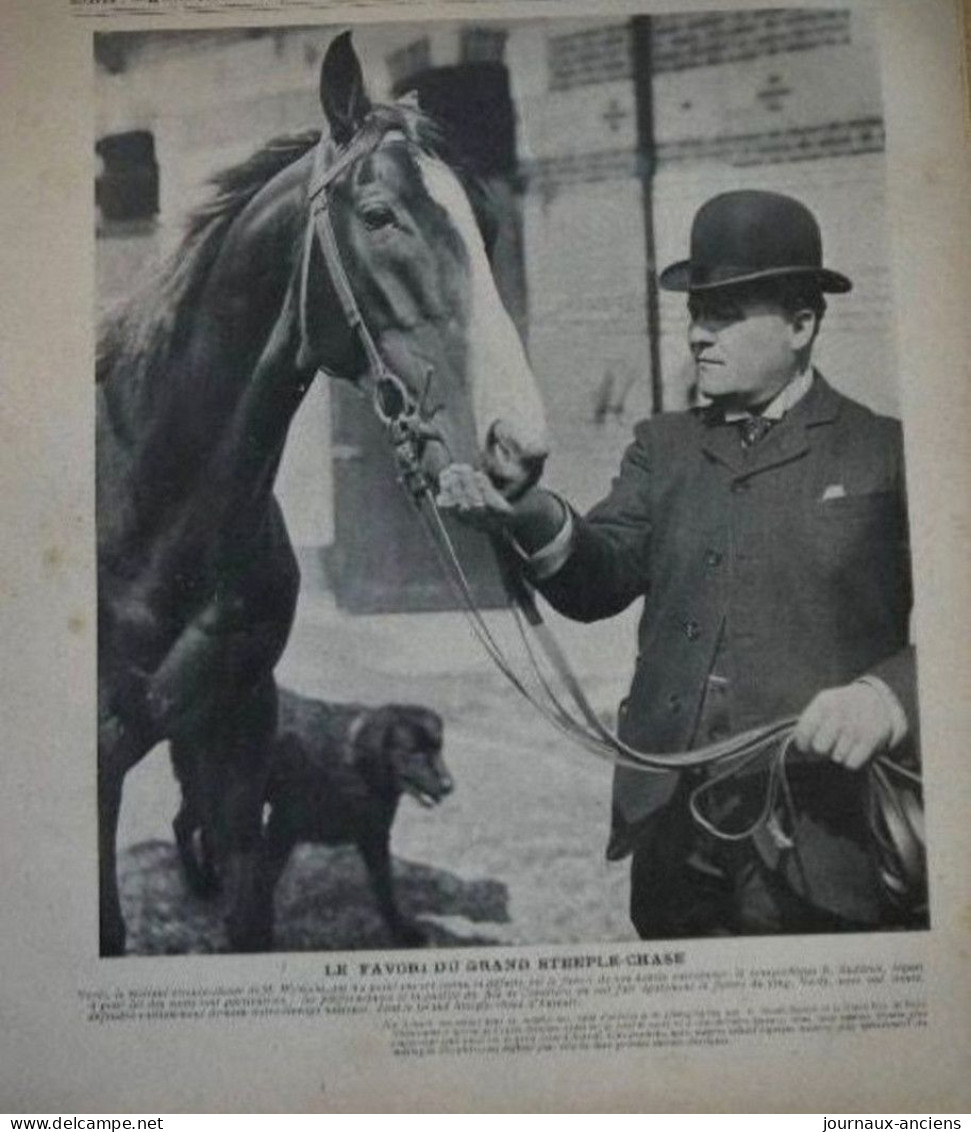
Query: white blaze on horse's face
(509, 418)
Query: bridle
(895, 813)
(391, 400)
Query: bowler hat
(746, 235)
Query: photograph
(478, 479)
(501, 517)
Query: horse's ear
(342, 93)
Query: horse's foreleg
(117, 752)
(111, 924)
(194, 822)
(237, 774)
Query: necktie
(752, 429)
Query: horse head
(405, 237)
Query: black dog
(336, 776)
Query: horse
(198, 377)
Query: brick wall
(801, 114)
(585, 56)
(785, 99)
(710, 39)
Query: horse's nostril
(519, 445)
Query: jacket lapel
(720, 442)
(789, 440)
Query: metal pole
(641, 38)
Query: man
(766, 534)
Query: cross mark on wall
(614, 115)
(774, 93)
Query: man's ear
(804, 323)
(342, 94)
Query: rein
(895, 817)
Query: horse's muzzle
(512, 461)
(434, 455)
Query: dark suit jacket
(789, 559)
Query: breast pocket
(856, 530)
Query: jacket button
(692, 630)
(739, 486)
(713, 558)
(674, 703)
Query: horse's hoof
(249, 939)
(196, 861)
(406, 933)
(112, 943)
(201, 882)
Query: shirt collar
(783, 401)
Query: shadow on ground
(323, 903)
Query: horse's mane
(136, 338)
(137, 334)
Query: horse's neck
(225, 511)
(204, 468)
(238, 312)
(243, 464)
(230, 391)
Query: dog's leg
(377, 856)
(275, 853)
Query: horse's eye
(377, 217)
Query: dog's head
(405, 741)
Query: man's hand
(473, 497)
(533, 520)
(849, 725)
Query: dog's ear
(375, 735)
